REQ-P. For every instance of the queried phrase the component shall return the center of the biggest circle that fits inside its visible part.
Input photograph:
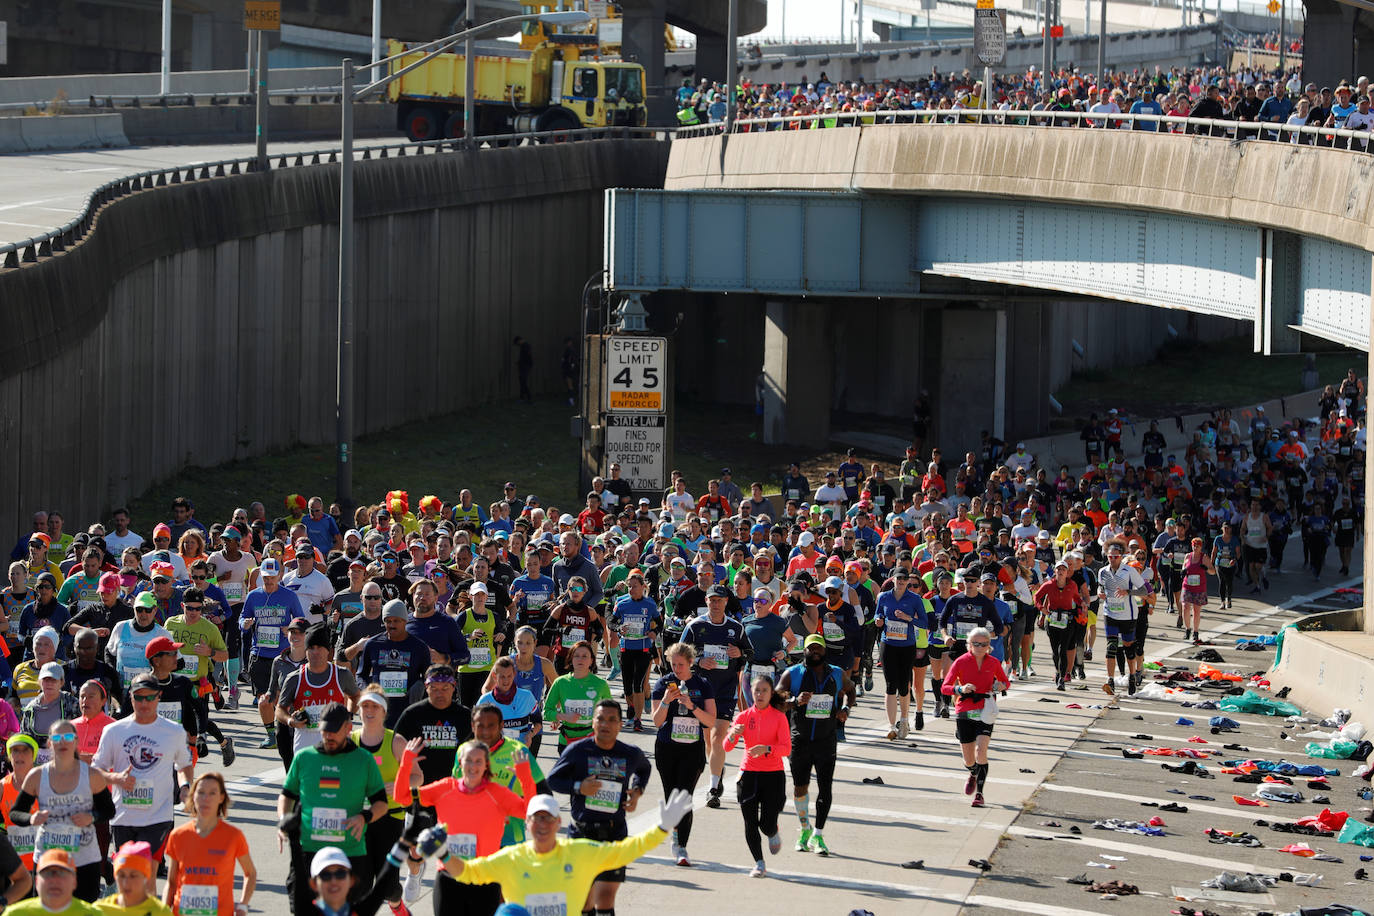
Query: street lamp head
(566, 17)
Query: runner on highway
(203, 854)
(202, 647)
(534, 673)
(502, 753)
(519, 709)
(309, 690)
(379, 741)
(1063, 613)
(1195, 567)
(636, 618)
(721, 654)
(22, 751)
(975, 679)
(605, 777)
(140, 757)
(573, 696)
(283, 666)
(683, 705)
(266, 611)
(903, 618)
(1119, 585)
(814, 693)
(128, 645)
(762, 786)
(472, 809)
(396, 659)
(133, 879)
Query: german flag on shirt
(329, 782)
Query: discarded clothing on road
(1232, 837)
(1245, 884)
(1121, 826)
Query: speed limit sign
(636, 372)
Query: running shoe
(1059, 684)
(614, 673)
(202, 749)
(639, 726)
(775, 843)
(920, 722)
(1108, 687)
(759, 871)
(1130, 684)
(868, 681)
(267, 743)
(413, 884)
(859, 690)
(970, 784)
(818, 844)
(681, 856)
(892, 733)
(234, 698)
(977, 800)
(803, 840)
(226, 749)
(902, 730)
(713, 797)
(1030, 671)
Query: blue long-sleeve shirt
(564, 569)
(620, 769)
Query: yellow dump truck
(559, 85)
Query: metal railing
(312, 95)
(29, 251)
(1329, 137)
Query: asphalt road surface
(1049, 763)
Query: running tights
(897, 662)
(980, 772)
(679, 767)
(761, 797)
(454, 899)
(1062, 640)
(1226, 584)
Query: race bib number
(462, 845)
(580, 710)
(327, 825)
(964, 627)
(632, 629)
(851, 482)
(140, 796)
(479, 658)
(718, 654)
(1058, 620)
(269, 638)
(895, 631)
(314, 711)
(170, 711)
(14, 625)
(535, 602)
(573, 637)
(1226, 562)
(199, 900)
(832, 632)
(130, 673)
(686, 730)
(1116, 607)
(554, 904)
(393, 683)
(21, 838)
(61, 836)
(819, 706)
(1347, 524)
(512, 733)
(233, 591)
(1192, 581)
(88, 598)
(758, 671)
(607, 798)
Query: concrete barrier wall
(82, 85)
(231, 123)
(85, 131)
(196, 324)
(1300, 189)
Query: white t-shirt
(1022, 532)
(232, 575)
(827, 495)
(129, 648)
(1018, 460)
(680, 505)
(153, 753)
(312, 589)
(116, 544)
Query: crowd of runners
(449, 683)
(1246, 95)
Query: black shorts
(155, 835)
(935, 650)
(969, 730)
(1026, 613)
(260, 674)
(544, 637)
(804, 756)
(634, 667)
(602, 833)
(1254, 554)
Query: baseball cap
(57, 858)
(542, 803)
(357, 564)
(334, 717)
(109, 583)
(145, 600)
(326, 857)
(135, 854)
(271, 566)
(987, 577)
(163, 571)
(299, 625)
(815, 639)
(41, 538)
(834, 582)
(161, 530)
(477, 588)
(718, 591)
(806, 539)
(233, 534)
(566, 519)
(395, 608)
(53, 670)
(145, 681)
(161, 644)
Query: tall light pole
(469, 74)
(731, 61)
(343, 380)
(376, 37)
(1102, 49)
(166, 47)
(859, 29)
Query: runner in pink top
(763, 784)
(975, 678)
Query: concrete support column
(1336, 42)
(798, 373)
(1281, 294)
(971, 386)
(642, 41)
(710, 62)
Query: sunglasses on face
(577, 589)
(146, 697)
(981, 645)
(62, 737)
(334, 874)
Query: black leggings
(1226, 582)
(454, 899)
(870, 642)
(897, 664)
(634, 668)
(761, 797)
(1062, 640)
(679, 767)
(470, 687)
(88, 882)
(286, 748)
(821, 757)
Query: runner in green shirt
(573, 696)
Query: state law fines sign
(636, 370)
(639, 444)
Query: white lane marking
(1248, 814)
